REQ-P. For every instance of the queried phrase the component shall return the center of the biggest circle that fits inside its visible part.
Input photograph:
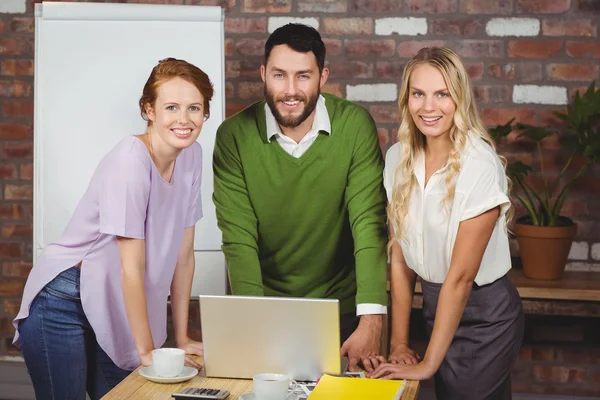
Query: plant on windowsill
(544, 235)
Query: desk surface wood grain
(136, 387)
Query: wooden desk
(136, 386)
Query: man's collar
(320, 123)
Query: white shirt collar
(320, 123)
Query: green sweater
(313, 226)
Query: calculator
(201, 393)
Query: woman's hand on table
(191, 347)
(402, 354)
(146, 359)
(418, 372)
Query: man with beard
(299, 194)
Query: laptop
(244, 336)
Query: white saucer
(251, 396)
(186, 374)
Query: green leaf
(501, 130)
(536, 133)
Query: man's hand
(363, 344)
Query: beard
(291, 121)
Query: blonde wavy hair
(466, 121)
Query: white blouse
(431, 231)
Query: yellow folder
(344, 388)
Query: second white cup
(271, 386)
(168, 362)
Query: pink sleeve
(124, 197)
(195, 209)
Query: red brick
(229, 47)
(499, 116)
(245, 25)
(575, 207)
(227, 5)
(492, 94)
(384, 136)
(18, 192)
(232, 69)
(543, 6)
(332, 88)
(547, 117)
(11, 307)
(524, 71)
(333, 46)
(11, 130)
(580, 355)
(1, 26)
(234, 108)
(250, 90)
(26, 171)
(22, 25)
(385, 114)
(487, 6)
(572, 27)
(361, 47)
(250, 47)
(348, 26)
(12, 46)
(12, 211)
(494, 70)
(266, 6)
(583, 49)
(229, 90)
(572, 72)
(389, 69)
(16, 67)
(475, 71)
(573, 91)
(8, 171)
(431, 6)
(456, 26)
(17, 149)
(17, 108)
(15, 89)
(533, 49)
(16, 269)
(588, 5)
(175, 2)
(250, 67)
(350, 69)
(526, 353)
(326, 6)
(364, 6)
(480, 48)
(409, 48)
(524, 157)
(545, 353)
(11, 287)
(9, 250)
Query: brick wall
(526, 58)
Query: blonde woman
(448, 210)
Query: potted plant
(544, 235)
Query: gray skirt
(485, 345)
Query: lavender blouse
(126, 197)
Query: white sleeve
(485, 192)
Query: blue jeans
(60, 349)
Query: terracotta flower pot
(544, 249)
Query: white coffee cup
(168, 362)
(272, 386)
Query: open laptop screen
(244, 336)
